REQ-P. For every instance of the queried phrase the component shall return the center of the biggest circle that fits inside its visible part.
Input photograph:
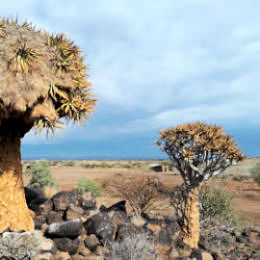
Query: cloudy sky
(155, 64)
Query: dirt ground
(246, 201)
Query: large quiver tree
(42, 79)
(198, 151)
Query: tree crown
(43, 77)
(199, 150)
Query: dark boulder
(119, 206)
(71, 228)
(32, 194)
(100, 225)
(54, 217)
(91, 242)
(166, 223)
(73, 212)
(87, 201)
(37, 201)
(67, 245)
(63, 199)
(39, 221)
(41, 206)
(196, 254)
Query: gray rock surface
(70, 228)
(23, 245)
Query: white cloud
(163, 61)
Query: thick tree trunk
(191, 226)
(14, 213)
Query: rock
(87, 201)
(166, 223)
(63, 199)
(242, 239)
(94, 257)
(62, 256)
(21, 245)
(119, 206)
(118, 217)
(101, 226)
(138, 220)
(163, 242)
(206, 256)
(44, 228)
(155, 228)
(102, 251)
(39, 221)
(84, 251)
(54, 217)
(73, 212)
(219, 239)
(78, 257)
(41, 206)
(163, 230)
(196, 254)
(70, 228)
(91, 242)
(163, 249)
(181, 248)
(67, 245)
(44, 256)
(32, 194)
(47, 245)
(116, 212)
(89, 213)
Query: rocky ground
(70, 226)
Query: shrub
(215, 204)
(105, 165)
(69, 163)
(88, 165)
(97, 165)
(140, 192)
(255, 172)
(41, 176)
(84, 185)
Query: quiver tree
(42, 81)
(198, 151)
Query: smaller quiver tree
(43, 83)
(198, 151)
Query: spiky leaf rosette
(43, 78)
(198, 150)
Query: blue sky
(155, 64)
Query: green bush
(41, 176)
(92, 165)
(215, 204)
(69, 163)
(84, 185)
(255, 172)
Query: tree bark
(191, 226)
(14, 213)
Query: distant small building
(156, 167)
